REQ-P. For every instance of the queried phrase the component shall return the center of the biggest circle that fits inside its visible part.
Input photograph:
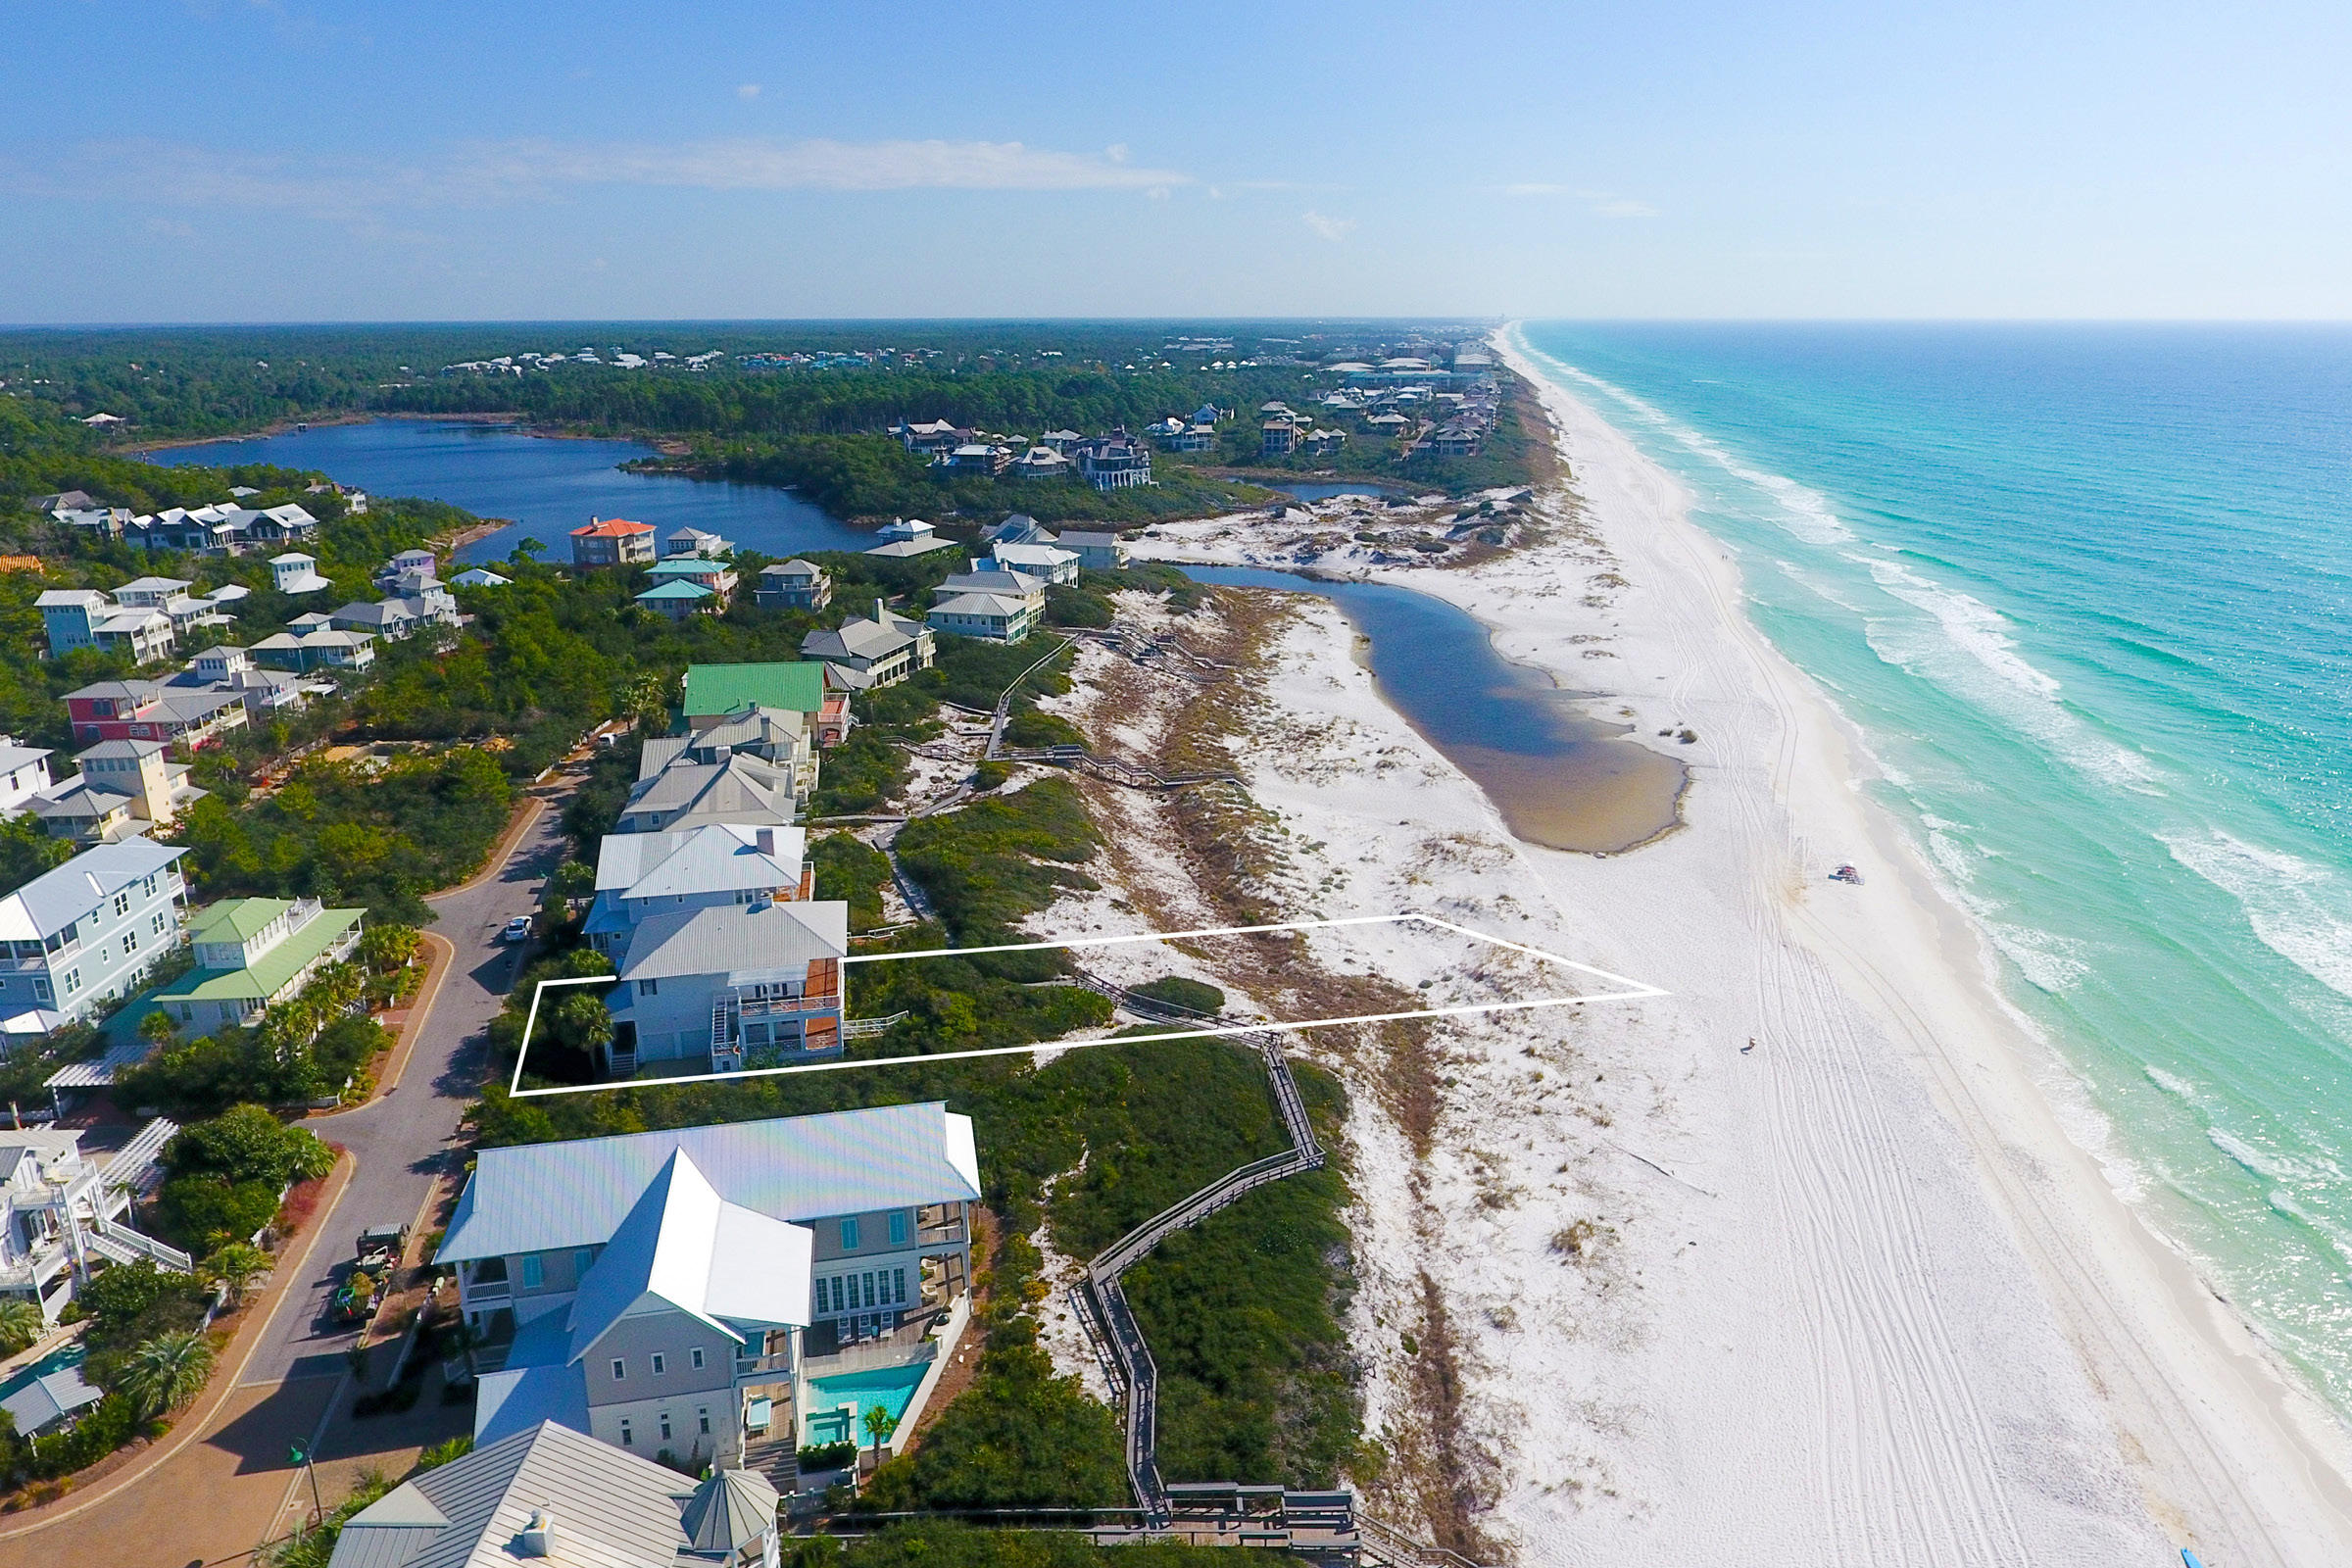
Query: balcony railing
(757, 1366)
(489, 1290)
(788, 1006)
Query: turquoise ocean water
(2088, 591)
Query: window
(869, 1291)
(898, 1227)
(160, 921)
(620, 1369)
(122, 905)
(702, 1419)
(661, 1364)
(148, 888)
(581, 1258)
(627, 1438)
(40, 988)
(130, 942)
(696, 1354)
(534, 1272)
(665, 1426)
(649, 987)
(70, 982)
(898, 1286)
(848, 1235)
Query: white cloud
(1334, 230)
(1118, 152)
(486, 175)
(1618, 207)
(750, 89)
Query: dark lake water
(1558, 775)
(547, 486)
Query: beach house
(1048, 563)
(612, 542)
(153, 710)
(24, 774)
(688, 542)
(880, 650)
(1113, 462)
(704, 572)
(315, 649)
(794, 584)
(296, 574)
(907, 536)
(548, 1491)
(754, 765)
(63, 1211)
(1097, 551)
(124, 787)
(679, 600)
(640, 874)
(84, 618)
(718, 1283)
(722, 987)
(1040, 463)
(86, 933)
(252, 954)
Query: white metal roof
(738, 938)
(540, 1197)
(684, 1247)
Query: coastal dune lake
(547, 486)
(1560, 778)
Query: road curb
(197, 1423)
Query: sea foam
(2301, 911)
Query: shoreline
(2188, 1383)
(1852, 1285)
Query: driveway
(213, 1500)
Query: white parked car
(518, 929)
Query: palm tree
(166, 1372)
(880, 1425)
(21, 1323)
(237, 1267)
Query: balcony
(801, 1006)
(488, 1290)
(756, 1368)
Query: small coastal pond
(1560, 777)
(1321, 491)
(547, 486)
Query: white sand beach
(1852, 1297)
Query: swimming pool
(56, 1360)
(833, 1409)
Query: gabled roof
(52, 901)
(538, 1196)
(723, 688)
(739, 939)
(859, 638)
(722, 857)
(684, 1247)
(670, 591)
(611, 1508)
(611, 528)
(795, 568)
(742, 789)
(989, 605)
(238, 919)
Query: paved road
(405, 1138)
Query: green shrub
(1190, 995)
(205, 1213)
(981, 866)
(854, 872)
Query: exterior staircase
(776, 1457)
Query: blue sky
(225, 159)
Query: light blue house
(85, 935)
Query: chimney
(767, 841)
(881, 614)
(539, 1535)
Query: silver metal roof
(539, 1197)
(610, 1508)
(738, 938)
(55, 900)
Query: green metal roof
(686, 565)
(238, 919)
(271, 971)
(723, 688)
(677, 590)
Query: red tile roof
(611, 528)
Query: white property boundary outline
(1636, 991)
